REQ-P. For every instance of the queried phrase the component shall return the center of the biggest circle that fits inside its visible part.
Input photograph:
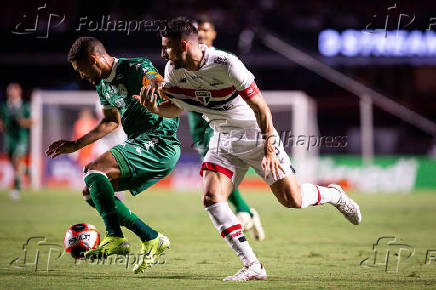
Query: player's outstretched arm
(270, 163)
(110, 122)
(25, 122)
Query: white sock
(315, 194)
(228, 225)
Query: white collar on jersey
(113, 71)
(205, 49)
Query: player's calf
(287, 192)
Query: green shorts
(16, 148)
(144, 162)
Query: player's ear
(92, 58)
(184, 44)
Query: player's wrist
(77, 144)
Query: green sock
(129, 220)
(238, 202)
(133, 223)
(102, 194)
(17, 182)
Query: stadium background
(314, 248)
(37, 59)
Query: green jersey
(10, 115)
(127, 78)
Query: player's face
(206, 33)
(89, 69)
(172, 50)
(14, 92)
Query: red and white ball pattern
(80, 238)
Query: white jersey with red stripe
(216, 89)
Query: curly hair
(83, 46)
(179, 27)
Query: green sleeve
(146, 71)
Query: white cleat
(254, 271)
(245, 220)
(259, 233)
(14, 194)
(347, 206)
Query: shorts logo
(203, 97)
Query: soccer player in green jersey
(15, 123)
(148, 155)
(201, 135)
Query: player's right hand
(148, 99)
(61, 147)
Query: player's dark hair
(201, 19)
(83, 46)
(178, 28)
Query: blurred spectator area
(41, 62)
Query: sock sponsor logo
(230, 229)
(238, 233)
(242, 239)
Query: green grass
(312, 248)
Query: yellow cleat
(109, 246)
(150, 252)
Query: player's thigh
(105, 163)
(216, 187)
(287, 191)
(143, 163)
(221, 172)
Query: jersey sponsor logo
(120, 103)
(203, 97)
(220, 60)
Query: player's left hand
(61, 147)
(271, 165)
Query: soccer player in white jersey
(218, 85)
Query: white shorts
(232, 155)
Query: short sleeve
(239, 75)
(146, 71)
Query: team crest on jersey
(203, 97)
(122, 90)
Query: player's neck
(194, 59)
(107, 68)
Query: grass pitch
(312, 248)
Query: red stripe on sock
(227, 231)
(319, 196)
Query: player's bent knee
(87, 196)
(207, 200)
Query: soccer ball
(80, 238)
